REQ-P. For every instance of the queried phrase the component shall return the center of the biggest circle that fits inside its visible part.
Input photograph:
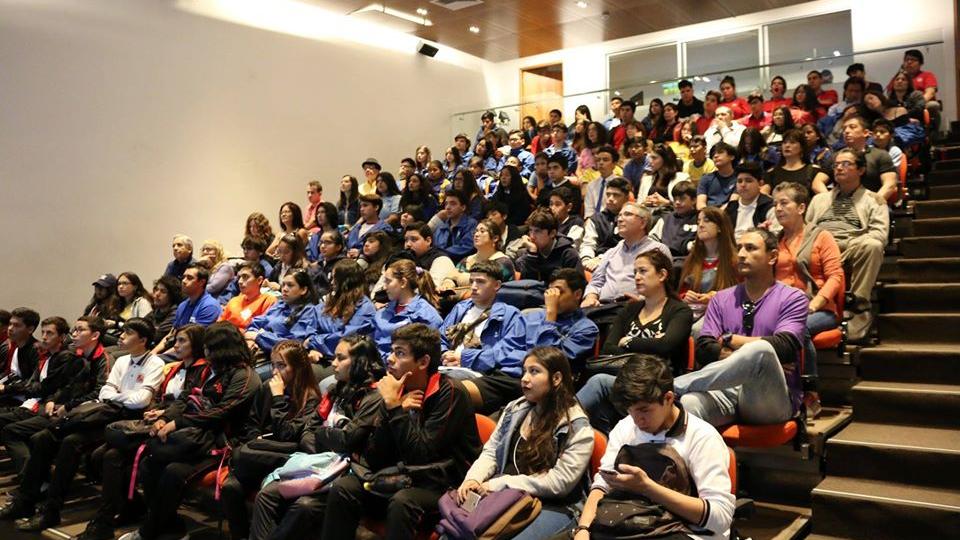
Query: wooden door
(541, 89)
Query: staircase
(894, 472)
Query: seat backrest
(733, 471)
(691, 354)
(599, 449)
(485, 427)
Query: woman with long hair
(389, 193)
(654, 116)
(284, 413)
(348, 207)
(377, 248)
(542, 445)
(903, 94)
(876, 106)
(435, 178)
(346, 311)
(512, 192)
(291, 256)
(805, 107)
(781, 121)
(655, 186)
(213, 257)
(258, 226)
(413, 298)
(183, 438)
(794, 167)
(660, 323)
(596, 136)
(292, 317)
(485, 152)
(579, 134)
(815, 144)
(423, 157)
(418, 192)
(452, 162)
(136, 299)
(529, 127)
(291, 221)
(712, 263)
(753, 147)
(665, 130)
(465, 182)
(488, 240)
(327, 220)
(348, 414)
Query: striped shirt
(841, 218)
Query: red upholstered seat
(599, 448)
(764, 436)
(828, 339)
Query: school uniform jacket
(503, 339)
(230, 393)
(27, 359)
(271, 327)
(88, 383)
(328, 330)
(61, 369)
(361, 407)
(388, 319)
(275, 415)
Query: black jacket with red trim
(197, 373)
(28, 357)
(275, 415)
(444, 428)
(62, 368)
(361, 409)
(86, 386)
(227, 396)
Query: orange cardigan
(825, 267)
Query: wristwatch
(579, 528)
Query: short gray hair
(185, 239)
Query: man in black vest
(600, 230)
(18, 354)
(752, 209)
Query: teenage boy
(369, 222)
(644, 390)
(463, 145)
(757, 119)
(688, 105)
(133, 380)
(314, 198)
(561, 323)
(198, 307)
(497, 212)
(251, 302)
(254, 250)
(699, 164)
(407, 167)
(18, 354)
(516, 142)
(717, 188)
(606, 158)
(85, 374)
(424, 418)
(750, 344)
(600, 231)
(418, 240)
(182, 256)
(827, 98)
(710, 103)
(485, 183)
(678, 229)
(544, 250)
(453, 228)
(484, 342)
(752, 208)
(883, 140)
(613, 281)
(568, 223)
(860, 223)
(559, 146)
(637, 166)
(557, 178)
(619, 133)
(613, 120)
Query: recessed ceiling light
(475, 29)
(836, 53)
(422, 12)
(581, 4)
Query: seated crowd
(648, 280)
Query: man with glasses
(612, 281)
(859, 221)
(879, 174)
(750, 344)
(516, 142)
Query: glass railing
(881, 65)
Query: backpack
(498, 516)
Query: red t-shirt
(771, 104)
(923, 80)
(757, 123)
(827, 98)
(739, 106)
(703, 124)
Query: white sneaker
(132, 535)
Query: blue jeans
(749, 385)
(547, 524)
(817, 322)
(594, 397)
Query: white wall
(126, 121)
(875, 24)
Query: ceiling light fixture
(422, 12)
(475, 29)
(418, 19)
(581, 4)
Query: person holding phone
(542, 445)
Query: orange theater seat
(599, 448)
(828, 339)
(765, 436)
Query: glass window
(715, 57)
(798, 40)
(631, 72)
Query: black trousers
(16, 435)
(163, 487)
(275, 518)
(48, 448)
(245, 477)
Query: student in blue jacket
(412, 300)
(346, 311)
(562, 323)
(293, 317)
(453, 228)
(369, 222)
(484, 341)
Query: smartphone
(473, 499)
(610, 472)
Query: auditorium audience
(717, 188)
(331, 250)
(258, 226)
(544, 249)
(593, 199)
(291, 256)
(728, 98)
(315, 199)
(778, 88)
(724, 129)
(197, 307)
(752, 207)
(348, 310)
(182, 256)
(688, 105)
(412, 299)
(389, 194)
(418, 192)
(291, 222)
(213, 258)
(20, 354)
(348, 206)
(167, 296)
(512, 192)
(678, 229)
(903, 93)
(369, 222)
(453, 228)
(561, 323)
(488, 239)
(568, 223)
(699, 164)
(105, 302)
(292, 317)
(711, 265)
(794, 167)
(418, 240)
(250, 302)
(826, 98)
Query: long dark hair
(419, 196)
(540, 453)
(139, 289)
(601, 135)
(692, 274)
(297, 216)
(303, 384)
(106, 308)
(346, 200)
(194, 333)
(787, 120)
(810, 102)
(667, 171)
(391, 183)
(518, 200)
(751, 143)
(661, 262)
(366, 367)
(470, 189)
(375, 265)
(333, 217)
(350, 286)
(224, 346)
(173, 287)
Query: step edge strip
(853, 442)
(905, 502)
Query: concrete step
(937, 209)
(947, 165)
(858, 508)
(911, 363)
(916, 455)
(943, 192)
(942, 177)
(935, 227)
(915, 327)
(915, 247)
(907, 404)
(929, 270)
(919, 297)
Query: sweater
(669, 339)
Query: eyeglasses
(844, 164)
(749, 309)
